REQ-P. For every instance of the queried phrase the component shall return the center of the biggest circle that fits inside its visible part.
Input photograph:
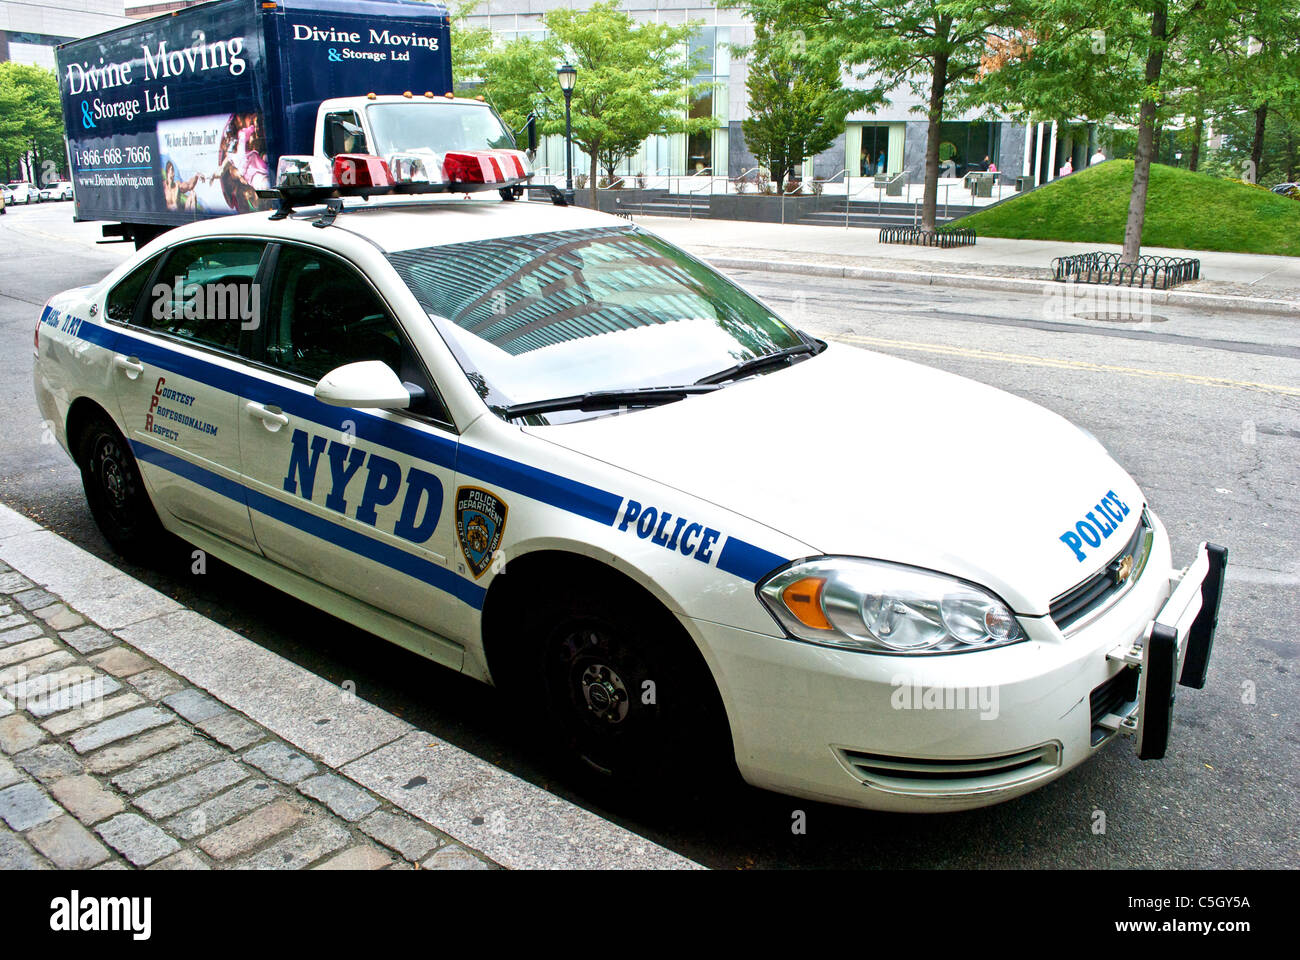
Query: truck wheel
(623, 692)
(115, 490)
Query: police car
(544, 447)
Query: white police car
(546, 448)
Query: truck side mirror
(532, 137)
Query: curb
(1171, 298)
(504, 818)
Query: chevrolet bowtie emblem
(1124, 569)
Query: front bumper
(931, 734)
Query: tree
(797, 104)
(634, 80)
(1258, 55)
(519, 79)
(1122, 60)
(1280, 153)
(935, 47)
(469, 47)
(31, 118)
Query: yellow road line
(1064, 364)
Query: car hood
(862, 454)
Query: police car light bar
(497, 167)
(413, 168)
(361, 170)
(303, 181)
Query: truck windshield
(436, 126)
(551, 315)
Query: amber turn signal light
(803, 598)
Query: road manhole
(1121, 316)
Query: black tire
(620, 690)
(115, 490)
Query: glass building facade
(888, 139)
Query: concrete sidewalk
(137, 733)
(1230, 276)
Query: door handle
(131, 366)
(272, 419)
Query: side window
(323, 315)
(206, 292)
(122, 299)
(343, 134)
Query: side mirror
(532, 136)
(368, 383)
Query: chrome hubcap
(113, 479)
(604, 692)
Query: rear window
(541, 316)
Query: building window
(874, 154)
(963, 146)
(699, 146)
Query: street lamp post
(568, 76)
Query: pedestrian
(881, 166)
(1098, 157)
(993, 167)
(1067, 169)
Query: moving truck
(185, 116)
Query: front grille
(1104, 586)
(929, 777)
(1116, 695)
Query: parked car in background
(58, 190)
(1287, 190)
(20, 191)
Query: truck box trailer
(185, 116)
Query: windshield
(437, 126)
(537, 317)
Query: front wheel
(115, 490)
(623, 691)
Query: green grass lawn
(1191, 211)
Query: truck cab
(407, 123)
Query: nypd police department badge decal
(480, 522)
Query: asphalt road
(1202, 409)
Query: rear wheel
(115, 490)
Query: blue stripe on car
(744, 560)
(738, 557)
(340, 536)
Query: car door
(177, 366)
(357, 499)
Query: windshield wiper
(607, 400)
(754, 364)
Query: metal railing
(692, 186)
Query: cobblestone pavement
(108, 761)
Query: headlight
(883, 607)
